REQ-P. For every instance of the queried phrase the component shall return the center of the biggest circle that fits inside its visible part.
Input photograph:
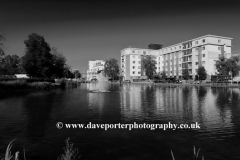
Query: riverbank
(23, 84)
(228, 85)
(193, 84)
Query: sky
(85, 30)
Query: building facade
(131, 62)
(94, 68)
(178, 58)
(189, 55)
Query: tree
(202, 74)
(38, 60)
(77, 74)
(10, 65)
(185, 74)
(155, 46)
(149, 66)
(59, 62)
(228, 66)
(1, 46)
(111, 68)
(163, 74)
(67, 72)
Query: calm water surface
(31, 117)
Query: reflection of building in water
(131, 101)
(96, 100)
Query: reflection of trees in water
(227, 99)
(214, 91)
(38, 108)
(201, 93)
(187, 101)
(148, 104)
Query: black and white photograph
(119, 80)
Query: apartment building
(94, 68)
(188, 55)
(131, 62)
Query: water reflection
(213, 110)
(37, 107)
(31, 117)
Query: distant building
(21, 76)
(188, 55)
(131, 62)
(95, 68)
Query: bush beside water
(13, 84)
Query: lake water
(30, 117)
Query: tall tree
(228, 66)
(1, 46)
(149, 65)
(111, 68)
(155, 46)
(59, 63)
(38, 60)
(202, 74)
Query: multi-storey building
(131, 62)
(189, 55)
(174, 59)
(94, 67)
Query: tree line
(39, 60)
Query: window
(203, 40)
(133, 67)
(219, 41)
(196, 42)
(203, 55)
(139, 72)
(179, 65)
(133, 51)
(139, 67)
(133, 72)
(180, 47)
(196, 49)
(196, 63)
(219, 48)
(133, 61)
(203, 48)
(139, 62)
(133, 56)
